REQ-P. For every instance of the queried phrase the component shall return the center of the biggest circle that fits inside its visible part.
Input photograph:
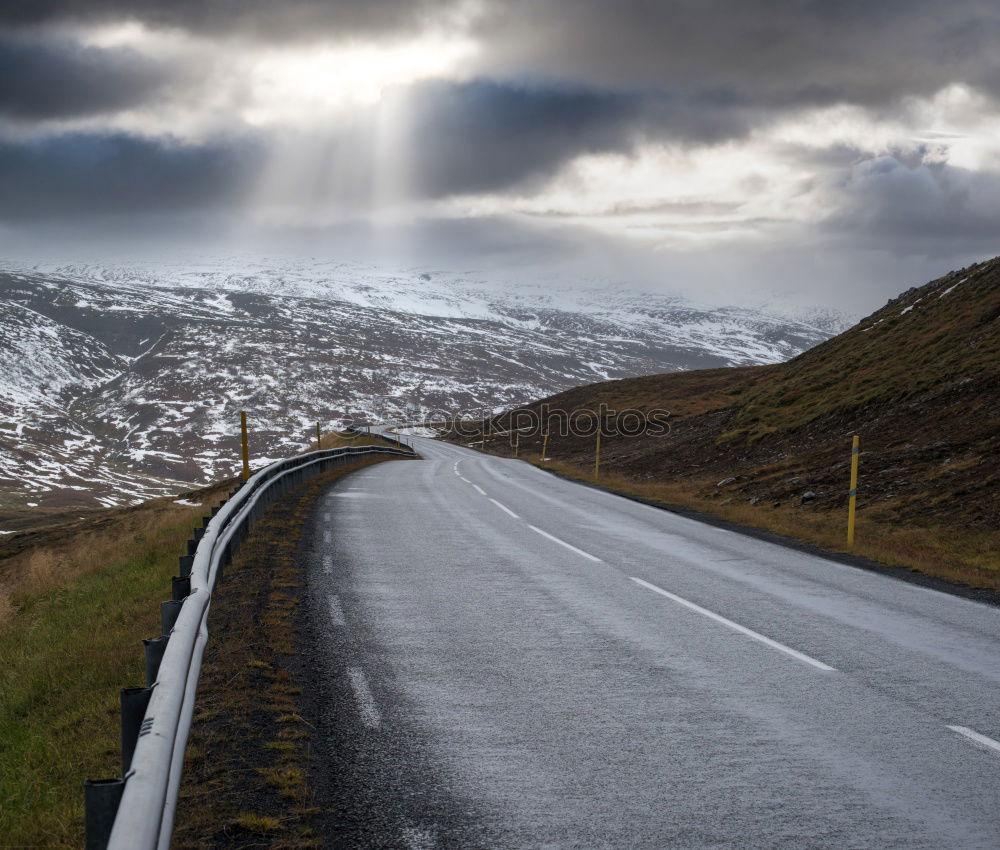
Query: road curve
(511, 660)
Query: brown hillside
(919, 381)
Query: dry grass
(71, 639)
(257, 824)
(77, 551)
(337, 439)
(958, 555)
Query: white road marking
(555, 539)
(363, 694)
(327, 564)
(479, 490)
(794, 653)
(980, 739)
(337, 612)
(328, 517)
(466, 480)
(418, 839)
(505, 509)
(326, 535)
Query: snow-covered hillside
(123, 382)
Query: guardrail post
(155, 647)
(184, 564)
(133, 709)
(180, 586)
(100, 807)
(168, 614)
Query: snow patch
(950, 288)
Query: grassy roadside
(75, 601)
(75, 613)
(247, 763)
(956, 555)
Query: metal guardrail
(136, 812)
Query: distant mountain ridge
(124, 382)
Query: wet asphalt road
(510, 660)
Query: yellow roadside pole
(517, 443)
(369, 430)
(246, 445)
(319, 437)
(853, 500)
(545, 444)
(597, 456)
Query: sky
(828, 152)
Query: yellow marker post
(853, 496)
(369, 430)
(517, 443)
(319, 437)
(545, 444)
(246, 445)
(597, 456)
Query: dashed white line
(363, 695)
(328, 517)
(327, 564)
(326, 535)
(479, 490)
(977, 737)
(337, 612)
(572, 548)
(504, 508)
(680, 600)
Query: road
(511, 660)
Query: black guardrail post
(133, 709)
(155, 647)
(168, 614)
(100, 807)
(180, 586)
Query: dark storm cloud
(777, 54)
(266, 20)
(486, 136)
(63, 79)
(83, 174)
(906, 206)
